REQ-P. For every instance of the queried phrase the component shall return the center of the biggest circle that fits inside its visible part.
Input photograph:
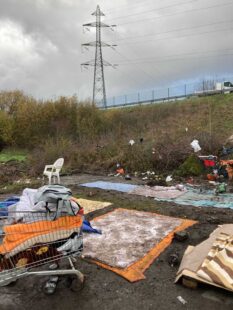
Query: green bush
(5, 130)
(191, 167)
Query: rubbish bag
(195, 145)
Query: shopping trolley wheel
(75, 284)
(51, 285)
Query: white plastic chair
(52, 171)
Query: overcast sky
(160, 43)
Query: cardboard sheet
(195, 256)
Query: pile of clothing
(47, 202)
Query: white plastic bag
(169, 178)
(195, 145)
(131, 142)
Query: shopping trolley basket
(39, 239)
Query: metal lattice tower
(99, 91)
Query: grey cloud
(45, 59)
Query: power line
(179, 58)
(155, 9)
(136, 4)
(174, 30)
(179, 37)
(176, 13)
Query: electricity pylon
(99, 91)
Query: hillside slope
(92, 139)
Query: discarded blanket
(161, 192)
(211, 261)
(130, 240)
(205, 198)
(91, 205)
(146, 191)
(120, 187)
(19, 237)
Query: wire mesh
(36, 241)
(165, 94)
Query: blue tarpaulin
(120, 187)
(6, 203)
(89, 229)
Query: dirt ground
(105, 290)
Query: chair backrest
(58, 164)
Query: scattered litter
(229, 167)
(181, 236)
(190, 180)
(226, 151)
(91, 194)
(50, 286)
(213, 182)
(169, 178)
(131, 142)
(221, 188)
(141, 140)
(180, 187)
(186, 129)
(87, 228)
(195, 145)
(211, 177)
(182, 300)
(209, 160)
(173, 260)
(119, 171)
(127, 177)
